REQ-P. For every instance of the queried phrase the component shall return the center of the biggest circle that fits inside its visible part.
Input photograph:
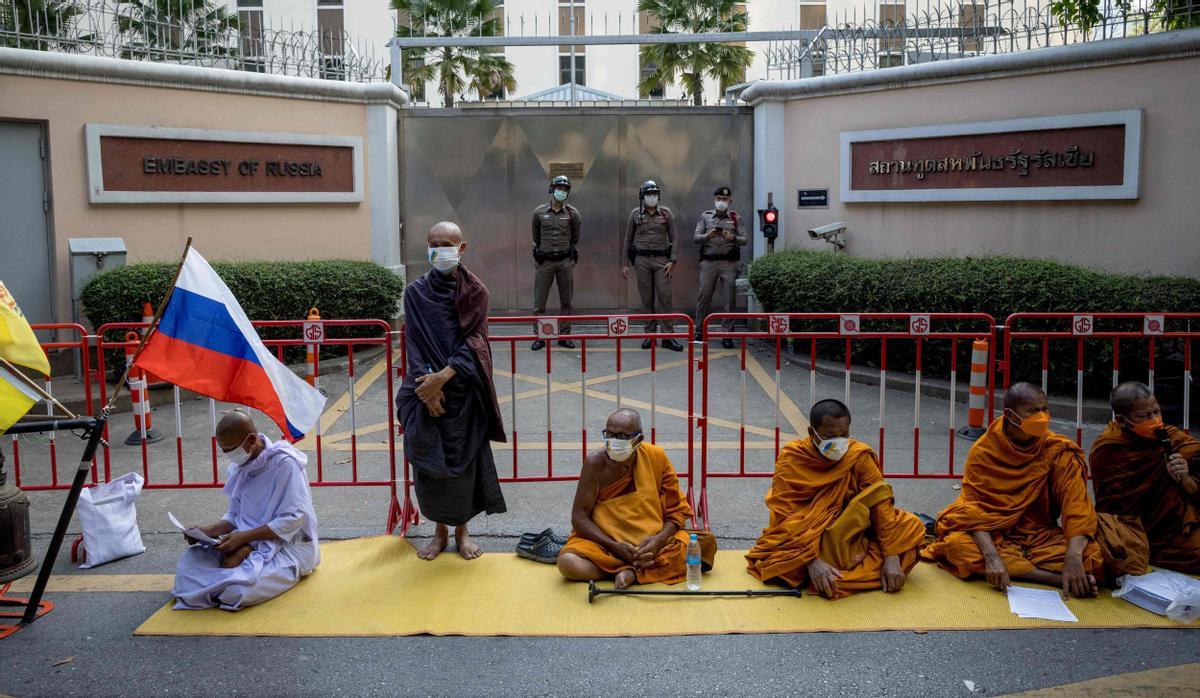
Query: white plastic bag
(109, 520)
(1167, 593)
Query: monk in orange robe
(1020, 480)
(1133, 475)
(629, 514)
(832, 520)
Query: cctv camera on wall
(831, 233)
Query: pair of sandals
(541, 547)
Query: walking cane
(594, 591)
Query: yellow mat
(378, 587)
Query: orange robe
(1019, 497)
(808, 495)
(1130, 478)
(637, 506)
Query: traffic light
(768, 221)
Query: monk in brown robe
(1134, 475)
(832, 520)
(1020, 480)
(629, 513)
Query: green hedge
(808, 281)
(341, 289)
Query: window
(331, 35)
(564, 70)
(647, 23)
(972, 19)
(250, 28)
(891, 50)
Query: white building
(612, 69)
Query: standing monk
(447, 403)
(1020, 481)
(649, 243)
(555, 238)
(629, 514)
(1143, 468)
(832, 520)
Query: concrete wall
(1157, 233)
(154, 232)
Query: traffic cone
(311, 351)
(978, 398)
(138, 398)
(153, 381)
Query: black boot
(672, 345)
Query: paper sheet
(1039, 603)
(195, 533)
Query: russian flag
(206, 344)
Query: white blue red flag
(206, 344)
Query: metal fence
(888, 34)
(187, 32)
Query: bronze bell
(16, 548)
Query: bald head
(1126, 397)
(624, 421)
(1020, 395)
(233, 429)
(445, 234)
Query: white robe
(271, 490)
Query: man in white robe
(268, 538)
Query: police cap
(722, 191)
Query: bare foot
(466, 547)
(441, 538)
(237, 557)
(624, 579)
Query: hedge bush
(809, 281)
(341, 289)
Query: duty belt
(556, 256)
(733, 255)
(652, 253)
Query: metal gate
(488, 168)
(24, 234)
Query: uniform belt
(556, 256)
(653, 253)
(733, 255)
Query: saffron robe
(1130, 478)
(634, 507)
(445, 324)
(839, 511)
(1019, 497)
(270, 490)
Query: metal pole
(572, 20)
(594, 591)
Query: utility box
(89, 257)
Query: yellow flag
(19, 346)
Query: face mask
(444, 259)
(1036, 425)
(238, 456)
(652, 200)
(620, 450)
(833, 449)
(721, 205)
(1147, 429)
(560, 195)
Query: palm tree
(40, 19)
(726, 63)
(161, 29)
(455, 68)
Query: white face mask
(238, 456)
(652, 200)
(444, 259)
(833, 449)
(721, 205)
(621, 450)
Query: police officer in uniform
(649, 244)
(720, 234)
(555, 238)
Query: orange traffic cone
(142, 427)
(978, 398)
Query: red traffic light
(770, 216)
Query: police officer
(720, 234)
(555, 238)
(649, 244)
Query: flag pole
(112, 401)
(32, 385)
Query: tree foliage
(691, 63)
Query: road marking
(60, 583)
(1177, 680)
(786, 407)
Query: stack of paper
(195, 533)
(1039, 603)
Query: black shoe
(727, 342)
(538, 345)
(699, 337)
(545, 551)
(646, 343)
(672, 345)
(566, 343)
(529, 539)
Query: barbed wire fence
(187, 32)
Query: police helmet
(648, 186)
(560, 181)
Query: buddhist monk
(629, 514)
(832, 523)
(447, 403)
(1024, 511)
(1141, 467)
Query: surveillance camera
(827, 232)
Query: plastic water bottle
(693, 564)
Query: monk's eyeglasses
(619, 435)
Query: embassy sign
(1077, 156)
(152, 165)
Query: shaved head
(828, 409)
(625, 420)
(1023, 394)
(1125, 397)
(445, 234)
(233, 429)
